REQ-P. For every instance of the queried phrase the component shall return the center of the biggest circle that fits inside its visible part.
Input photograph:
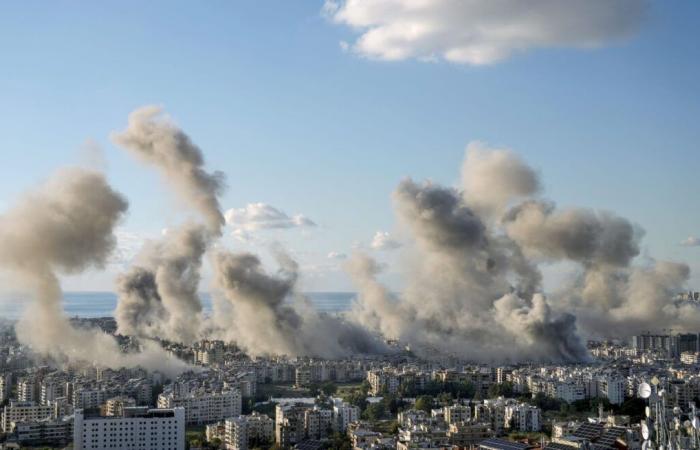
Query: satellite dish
(676, 410)
(646, 445)
(644, 390)
(655, 381)
(662, 392)
(647, 411)
(645, 431)
(696, 422)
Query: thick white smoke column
(66, 226)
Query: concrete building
(24, 412)
(457, 413)
(569, 391)
(26, 390)
(523, 417)
(465, 434)
(613, 389)
(344, 414)
(295, 422)
(244, 432)
(44, 432)
(5, 385)
(203, 407)
(138, 428)
(115, 405)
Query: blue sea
(102, 304)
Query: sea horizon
(92, 304)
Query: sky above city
(315, 111)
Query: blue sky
(299, 123)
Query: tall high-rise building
(136, 428)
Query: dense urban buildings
(393, 401)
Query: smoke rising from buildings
(159, 297)
(65, 226)
(460, 297)
(473, 256)
(474, 280)
(255, 311)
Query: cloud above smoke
(383, 240)
(479, 32)
(261, 216)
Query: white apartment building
(242, 431)
(382, 380)
(90, 398)
(24, 412)
(690, 357)
(493, 412)
(204, 407)
(457, 413)
(139, 428)
(613, 389)
(569, 391)
(115, 405)
(26, 390)
(344, 414)
(523, 417)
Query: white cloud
(337, 255)
(261, 216)
(481, 31)
(691, 241)
(383, 241)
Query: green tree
(375, 411)
(329, 388)
(424, 403)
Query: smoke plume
(159, 297)
(65, 226)
(265, 315)
(156, 140)
(460, 298)
(475, 287)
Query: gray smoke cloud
(156, 140)
(475, 287)
(159, 296)
(493, 178)
(66, 226)
(459, 297)
(265, 315)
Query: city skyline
(350, 225)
